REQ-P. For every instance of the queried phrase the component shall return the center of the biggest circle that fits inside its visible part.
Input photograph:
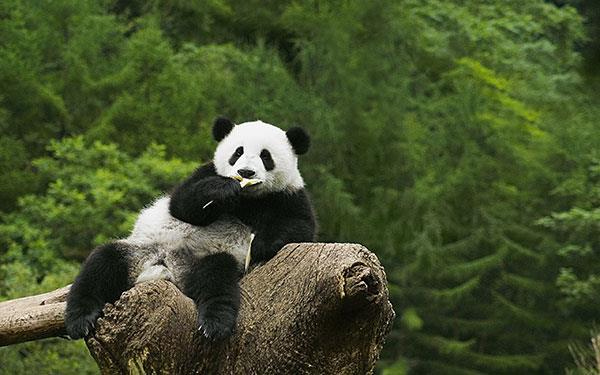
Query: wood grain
(315, 308)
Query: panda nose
(246, 173)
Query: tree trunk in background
(313, 309)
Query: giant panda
(198, 236)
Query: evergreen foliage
(456, 139)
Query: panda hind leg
(212, 282)
(103, 277)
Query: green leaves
(94, 192)
(453, 138)
(577, 231)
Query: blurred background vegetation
(458, 140)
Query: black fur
(103, 277)
(246, 173)
(189, 200)
(213, 285)
(221, 128)
(236, 155)
(267, 160)
(276, 218)
(299, 139)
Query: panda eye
(236, 155)
(267, 160)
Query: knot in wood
(361, 286)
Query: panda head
(262, 151)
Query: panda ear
(221, 128)
(299, 139)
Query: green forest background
(457, 139)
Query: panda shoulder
(293, 203)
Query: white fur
(156, 272)
(254, 137)
(163, 244)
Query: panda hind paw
(215, 330)
(82, 326)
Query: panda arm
(288, 220)
(190, 200)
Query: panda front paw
(221, 188)
(80, 326)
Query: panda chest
(258, 212)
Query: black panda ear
(221, 128)
(299, 139)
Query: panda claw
(81, 326)
(215, 331)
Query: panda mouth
(251, 188)
(248, 182)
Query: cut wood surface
(315, 308)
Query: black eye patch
(236, 155)
(267, 160)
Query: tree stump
(313, 309)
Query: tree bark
(33, 318)
(313, 309)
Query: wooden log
(313, 309)
(33, 318)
